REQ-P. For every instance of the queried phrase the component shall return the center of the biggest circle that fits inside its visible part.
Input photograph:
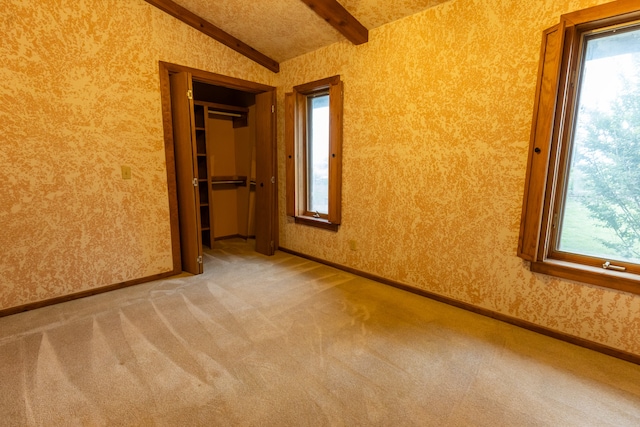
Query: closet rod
(223, 113)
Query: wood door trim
(167, 122)
(186, 164)
(266, 183)
(167, 68)
(217, 79)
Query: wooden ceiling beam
(214, 32)
(340, 18)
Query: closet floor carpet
(283, 341)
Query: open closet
(222, 148)
(226, 136)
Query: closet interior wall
(232, 163)
(231, 159)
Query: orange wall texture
(437, 116)
(79, 98)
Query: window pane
(601, 211)
(318, 154)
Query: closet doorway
(220, 146)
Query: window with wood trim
(581, 208)
(313, 134)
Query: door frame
(186, 170)
(167, 68)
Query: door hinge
(195, 182)
(199, 259)
(190, 94)
(273, 179)
(273, 108)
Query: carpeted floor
(282, 341)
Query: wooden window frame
(550, 133)
(296, 123)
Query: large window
(314, 152)
(581, 213)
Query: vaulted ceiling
(273, 31)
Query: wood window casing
(296, 141)
(553, 118)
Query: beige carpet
(282, 341)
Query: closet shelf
(240, 181)
(237, 114)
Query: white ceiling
(284, 29)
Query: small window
(314, 153)
(317, 140)
(581, 212)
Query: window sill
(316, 222)
(618, 280)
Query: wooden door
(185, 156)
(266, 185)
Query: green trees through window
(581, 206)
(603, 189)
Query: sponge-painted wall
(437, 117)
(79, 98)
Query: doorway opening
(220, 146)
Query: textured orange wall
(437, 118)
(79, 97)
(437, 115)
